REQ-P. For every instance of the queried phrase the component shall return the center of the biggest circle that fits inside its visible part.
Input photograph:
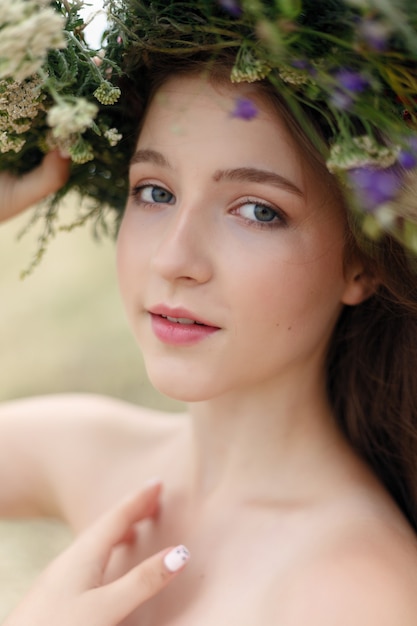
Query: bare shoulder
(366, 576)
(64, 448)
(85, 417)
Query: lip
(162, 309)
(177, 334)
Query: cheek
(290, 294)
(121, 254)
(127, 260)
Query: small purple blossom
(349, 83)
(304, 64)
(301, 64)
(350, 80)
(375, 186)
(412, 142)
(407, 159)
(374, 33)
(231, 6)
(245, 109)
(341, 100)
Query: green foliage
(351, 64)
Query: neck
(262, 445)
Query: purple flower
(341, 100)
(407, 159)
(412, 142)
(350, 83)
(245, 109)
(304, 64)
(301, 64)
(231, 6)
(374, 186)
(350, 80)
(374, 33)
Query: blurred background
(62, 329)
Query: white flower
(294, 77)
(386, 216)
(81, 152)
(248, 68)
(106, 93)
(10, 142)
(27, 31)
(361, 151)
(69, 118)
(113, 136)
(12, 12)
(19, 104)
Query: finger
(37, 184)
(120, 598)
(99, 539)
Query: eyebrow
(149, 156)
(255, 175)
(240, 174)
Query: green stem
(321, 35)
(94, 67)
(66, 6)
(53, 92)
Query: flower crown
(353, 63)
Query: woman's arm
(19, 193)
(71, 591)
(56, 449)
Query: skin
(72, 586)
(285, 523)
(19, 193)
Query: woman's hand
(70, 592)
(20, 192)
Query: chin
(183, 388)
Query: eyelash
(135, 194)
(279, 220)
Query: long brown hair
(372, 374)
(372, 357)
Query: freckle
(289, 328)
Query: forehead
(190, 112)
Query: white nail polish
(152, 482)
(176, 559)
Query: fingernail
(152, 482)
(176, 558)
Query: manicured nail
(176, 559)
(152, 482)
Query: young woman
(291, 478)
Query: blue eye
(258, 212)
(153, 194)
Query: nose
(183, 252)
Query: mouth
(182, 320)
(179, 327)
(180, 316)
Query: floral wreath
(352, 62)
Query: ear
(361, 284)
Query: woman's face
(227, 225)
